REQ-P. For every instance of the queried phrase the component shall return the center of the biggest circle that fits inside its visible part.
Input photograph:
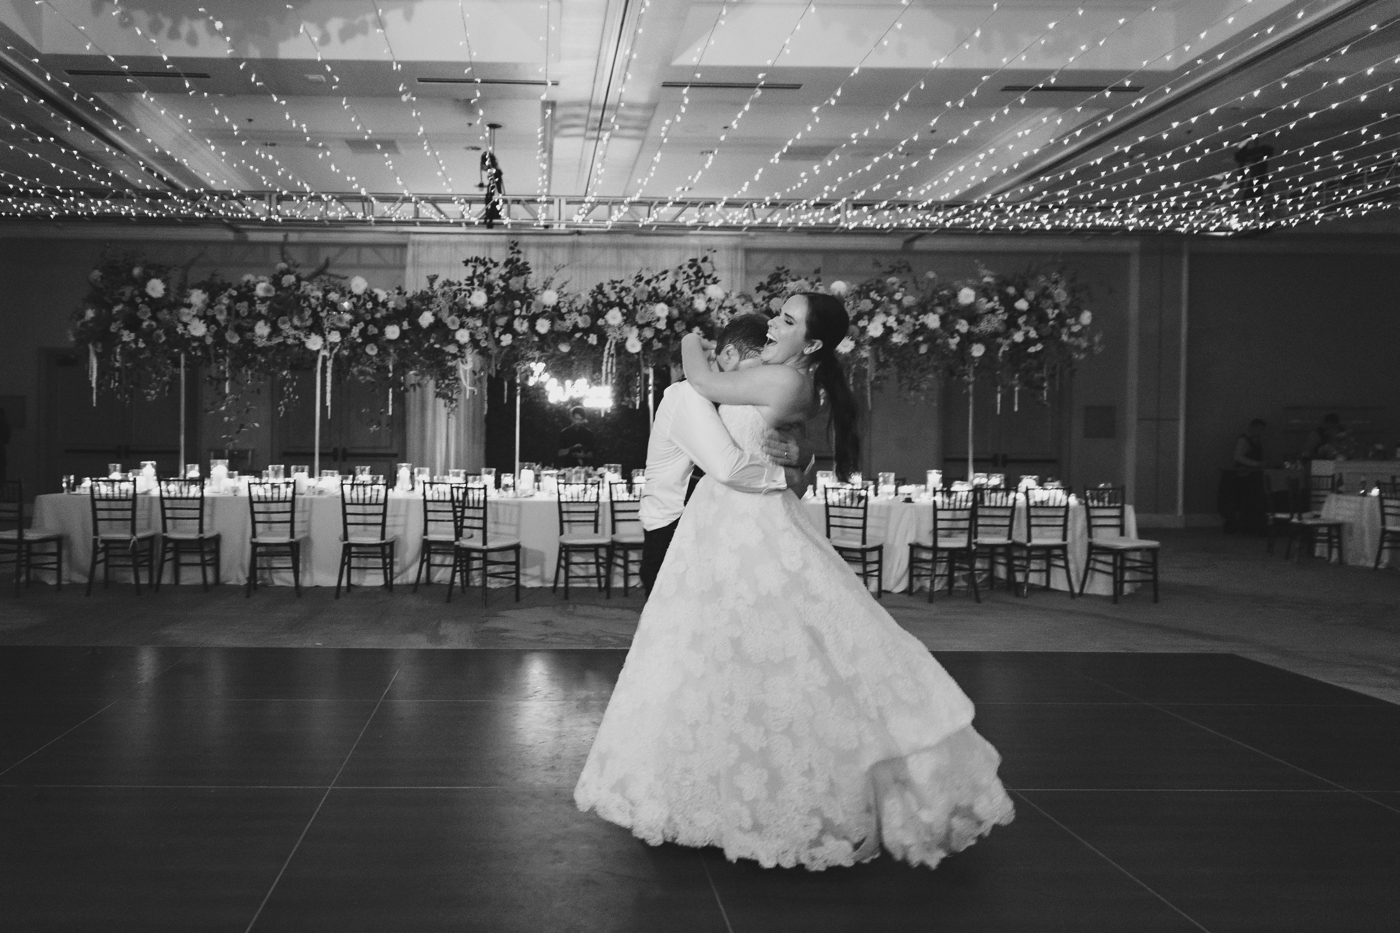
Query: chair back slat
(847, 514)
(113, 507)
(624, 505)
(1047, 514)
(182, 506)
(995, 512)
(1319, 488)
(1390, 513)
(470, 520)
(12, 507)
(954, 517)
(580, 507)
(1105, 511)
(272, 506)
(364, 509)
(439, 513)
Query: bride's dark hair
(828, 322)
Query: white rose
(229, 335)
(425, 319)
(155, 288)
(961, 326)
(977, 350)
(288, 281)
(391, 332)
(262, 329)
(264, 290)
(478, 298)
(1086, 319)
(1023, 305)
(909, 301)
(775, 304)
(542, 325)
(661, 310)
(966, 296)
(932, 321)
(1018, 337)
(564, 348)
(954, 340)
(549, 298)
(698, 302)
(593, 339)
(507, 340)
(614, 317)
(358, 285)
(198, 297)
(899, 337)
(875, 329)
(634, 345)
(839, 288)
(333, 336)
(198, 329)
(381, 294)
(715, 292)
(846, 345)
(314, 343)
(463, 335)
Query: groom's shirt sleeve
(697, 429)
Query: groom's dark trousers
(656, 543)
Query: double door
(359, 429)
(1025, 438)
(81, 437)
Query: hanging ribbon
(998, 398)
(391, 388)
(92, 372)
(610, 362)
(330, 370)
(1016, 397)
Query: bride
(768, 704)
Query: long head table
(533, 520)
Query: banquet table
(1361, 527)
(534, 520)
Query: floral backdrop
(142, 321)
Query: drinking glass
(856, 481)
(422, 475)
(114, 470)
(362, 474)
(70, 483)
(456, 476)
(488, 477)
(277, 471)
(192, 471)
(507, 482)
(979, 479)
(301, 471)
(933, 479)
(887, 488)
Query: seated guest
(1249, 446)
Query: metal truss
(524, 215)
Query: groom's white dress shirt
(688, 432)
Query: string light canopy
(878, 116)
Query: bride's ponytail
(828, 322)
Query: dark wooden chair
(628, 539)
(951, 542)
(1126, 560)
(272, 508)
(581, 538)
(1047, 538)
(364, 540)
(115, 538)
(1390, 527)
(439, 529)
(29, 549)
(1308, 529)
(182, 532)
(847, 522)
(995, 520)
(473, 543)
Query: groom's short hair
(747, 332)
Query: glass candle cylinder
(403, 477)
(276, 471)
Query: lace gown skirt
(771, 707)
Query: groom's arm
(698, 431)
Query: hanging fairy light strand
(675, 119)
(591, 191)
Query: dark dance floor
(301, 789)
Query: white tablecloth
(899, 523)
(1361, 527)
(534, 521)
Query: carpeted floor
(1219, 594)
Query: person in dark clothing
(1243, 494)
(576, 441)
(1249, 446)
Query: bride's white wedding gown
(770, 706)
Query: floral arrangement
(142, 318)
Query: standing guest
(688, 432)
(576, 441)
(1249, 446)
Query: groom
(687, 432)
